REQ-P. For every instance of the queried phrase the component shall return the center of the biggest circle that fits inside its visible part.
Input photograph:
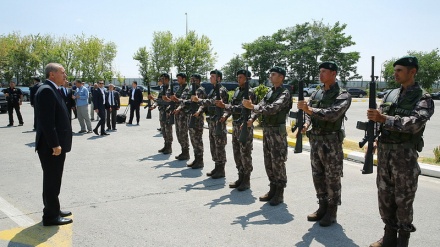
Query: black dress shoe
(65, 213)
(57, 221)
(96, 132)
(105, 134)
(9, 125)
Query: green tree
(230, 69)
(162, 48)
(144, 63)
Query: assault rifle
(370, 126)
(218, 110)
(163, 103)
(148, 101)
(172, 103)
(299, 120)
(193, 106)
(245, 113)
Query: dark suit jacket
(138, 97)
(54, 126)
(117, 102)
(68, 99)
(98, 100)
(33, 91)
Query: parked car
(382, 94)
(26, 93)
(311, 89)
(3, 103)
(356, 92)
(435, 95)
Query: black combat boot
(184, 155)
(330, 216)
(403, 239)
(198, 163)
(209, 174)
(193, 162)
(269, 194)
(246, 183)
(162, 149)
(318, 214)
(220, 172)
(389, 238)
(278, 196)
(238, 182)
(167, 149)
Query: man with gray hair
(81, 96)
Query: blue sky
(385, 28)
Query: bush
(260, 92)
(437, 154)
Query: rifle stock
(149, 102)
(218, 110)
(193, 107)
(244, 133)
(299, 120)
(172, 103)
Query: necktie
(111, 98)
(61, 92)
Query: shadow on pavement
(30, 144)
(33, 236)
(28, 131)
(327, 236)
(235, 198)
(267, 215)
(185, 173)
(171, 164)
(156, 157)
(207, 184)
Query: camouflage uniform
(242, 152)
(217, 142)
(167, 129)
(326, 137)
(274, 108)
(182, 118)
(397, 171)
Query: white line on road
(14, 214)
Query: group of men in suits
(106, 105)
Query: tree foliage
(230, 69)
(144, 63)
(162, 48)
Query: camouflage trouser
(242, 152)
(196, 135)
(167, 129)
(327, 163)
(182, 129)
(397, 178)
(217, 143)
(275, 154)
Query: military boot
(269, 194)
(167, 149)
(318, 214)
(238, 182)
(246, 183)
(220, 173)
(389, 238)
(403, 239)
(330, 216)
(278, 196)
(184, 155)
(162, 149)
(198, 163)
(209, 174)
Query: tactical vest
(210, 111)
(181, 90)
(236, 100)
(280, 117)
(392, 107)
(321, 100)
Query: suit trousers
(83, 117)
(53, 167)
(133, 108)
(111, 118)
(11, 107)
(101, 123)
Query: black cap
(165, 75)
(278, 70)
(244, 72)
(197, 76)
(183, 75)
(37, 79)
(330, 65)
(408, 61)
(217, 72)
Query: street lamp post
(186, 17)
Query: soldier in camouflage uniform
(325, 112)
(163, 102)
(181, 115)
(242, 152)
(274, 108)
(402, 116)
(198, 119)
(217, 140)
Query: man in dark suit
(33, 91)
(68, 97)
(53, 140)
(112, 104)
(99, 107)
(135, 101)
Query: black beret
(166, 75)
(197, 76)
(279, 70)
(330, 65)
(183, 75)
(244, 72)
(407, 61)
(37, 79)
(217, 72)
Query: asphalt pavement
(123, 193)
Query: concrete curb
(427, 170)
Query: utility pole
(186, 17)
